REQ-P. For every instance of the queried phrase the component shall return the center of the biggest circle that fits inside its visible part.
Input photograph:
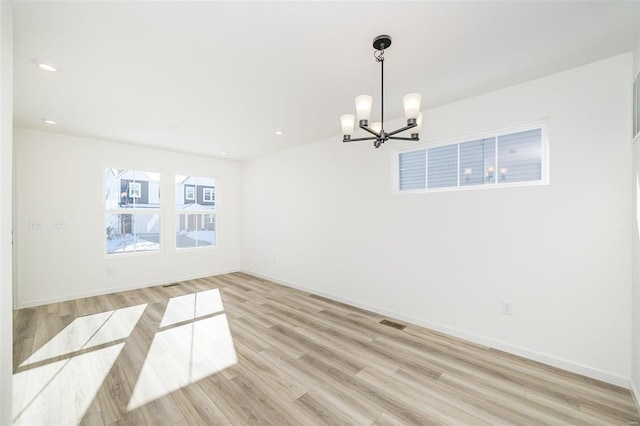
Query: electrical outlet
(109, 271)
(35, 225)
(59, 224)
(507, 308)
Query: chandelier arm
(402, 129)
(373, 132)
(399, 138)
(359, 139)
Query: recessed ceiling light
(223, 153)
(45, 66)
(278, 133)
(46, 120)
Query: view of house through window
(195, 211)
(132, 211)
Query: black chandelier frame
(380, 43)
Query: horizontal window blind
(443, 166)
(520, 157)
(413, 167)
(500, 159)
(477, 162)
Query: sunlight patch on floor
(60, 382)
(61, 392)
(192, 306)
(182, 355)
(89, 331)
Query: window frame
(635, 131)
(137, 192)
(133, 211)
(212, 192)
(543, 125)
(210, 213)
(190, 189)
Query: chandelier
(363, 109)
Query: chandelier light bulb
(363, 107)
(412, 105)
(347, 122)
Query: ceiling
(212, 77)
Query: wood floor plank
(233, 402)
(362, 411)
(379, 397)
(574, 414)
(387, 420)
(276, 356)
(367, 358)
(321, 411)
(453, 365)
(46, 325)
(435, 408)
(530, 375)
(516, 407)
(22, 349)
(282, 384)
(467, 403)
(198, 408)
(345, 361)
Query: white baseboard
(103, 291)
(472, 337)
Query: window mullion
(458, 166)
(495, 161)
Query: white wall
(322, 217)
(635, 295)
(60, 178)
(6, 182)
(635, 292)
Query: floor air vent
(393, 324)
(170, 285)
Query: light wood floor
(235, 349)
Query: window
(189, 193)
(208, 194)
(441, 166)
(195, 212)
(132, 211)
(477, 162)
(135, 189)
(514, 156)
